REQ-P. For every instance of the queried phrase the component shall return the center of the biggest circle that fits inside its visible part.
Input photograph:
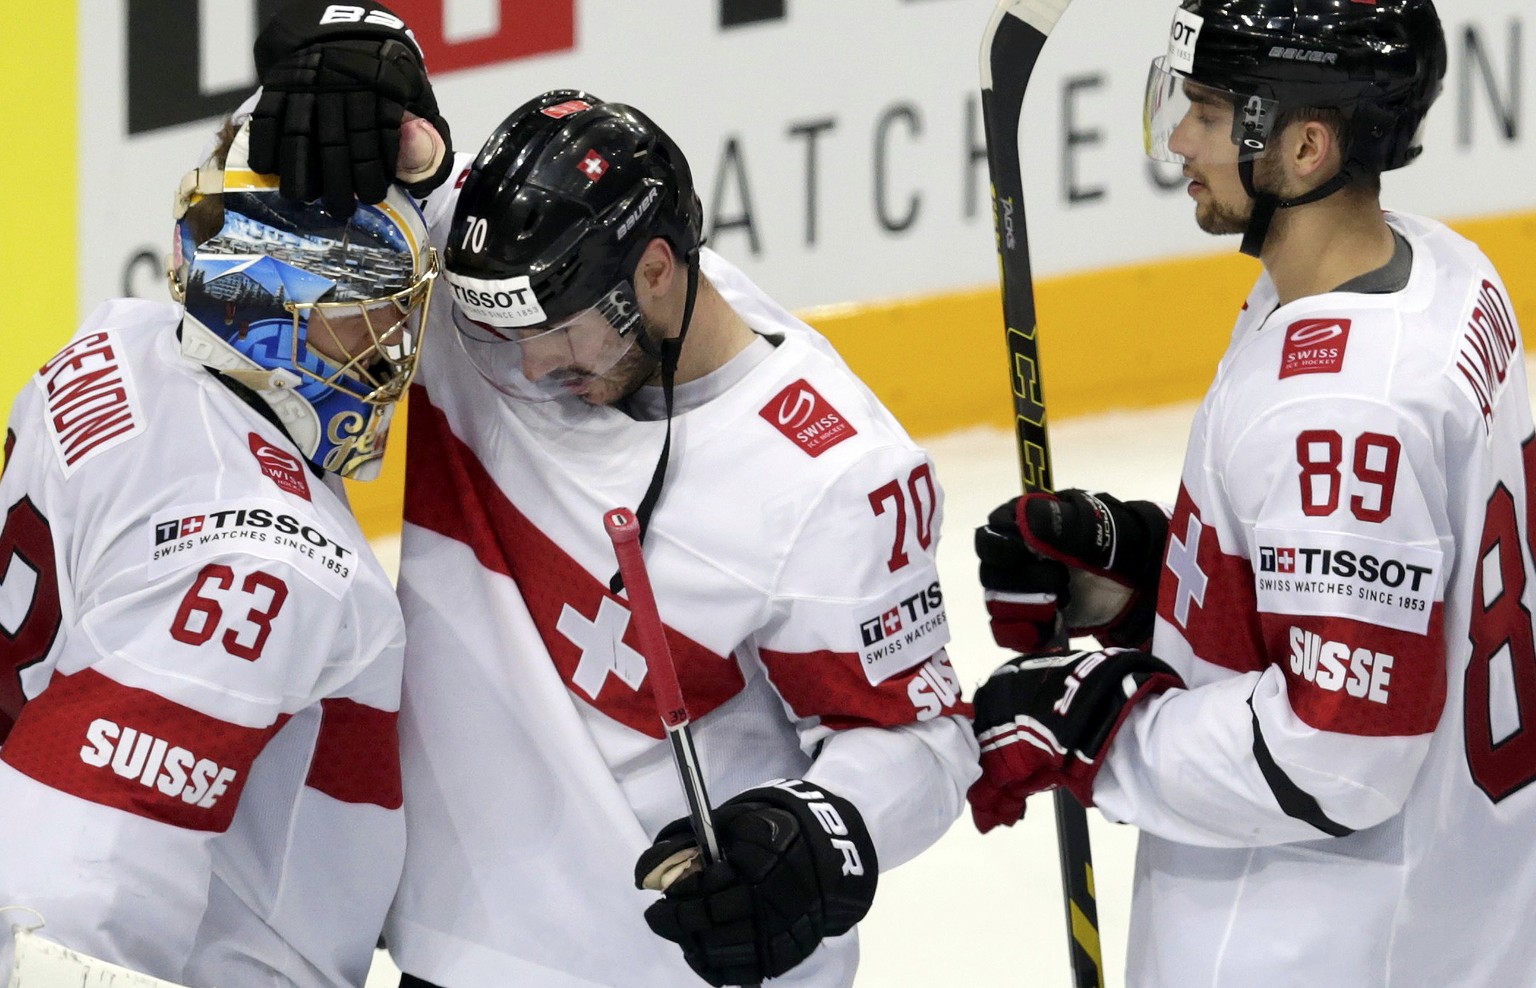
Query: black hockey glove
(1043, 722)
(1071, 563)
(337, 81)
(797, 866)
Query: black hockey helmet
(566, 194)
(1380, 63)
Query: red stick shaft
(624, 532)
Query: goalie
(200, 769)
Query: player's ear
(1313, 148)
(657, 270)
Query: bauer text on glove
(797, 866)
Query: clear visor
(1197, 113)
(558, 359)
(370, 344)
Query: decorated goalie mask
(322, 316)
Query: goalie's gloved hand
(336, 88)
(797, 865)
(1044, 721)
(1071, 563)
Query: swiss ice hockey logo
(281, 466)
(1314, 346)
(807, 419)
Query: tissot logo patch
(879, 628)
(1183, 39)
(270, 529)
(285, 469)
(1332, 574)
(1277, 559)
(1314, 346)
(896, 636)
(807, 419)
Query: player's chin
(597, 390)
(617, 385)
(572, 382)
(1216, 221)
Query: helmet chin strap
(668, 351)
(1266, 204)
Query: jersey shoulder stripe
(136, 751)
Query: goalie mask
(323, 317)
(550, 226)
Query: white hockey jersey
(792, 556)
(199, 678)
(1341, 797)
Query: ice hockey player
(792, 552)
(201, 657)
(595, 355)
(1327, 744)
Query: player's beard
(638, 366)
(1220, 218)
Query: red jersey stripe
(449, 491)
(1358, 678)
(1215, 609)
(833, 686)
(135, 750)
(357, 754)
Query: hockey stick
(1015, 36)
(624, 533)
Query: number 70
(891, 498)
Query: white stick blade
(1041, 15)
